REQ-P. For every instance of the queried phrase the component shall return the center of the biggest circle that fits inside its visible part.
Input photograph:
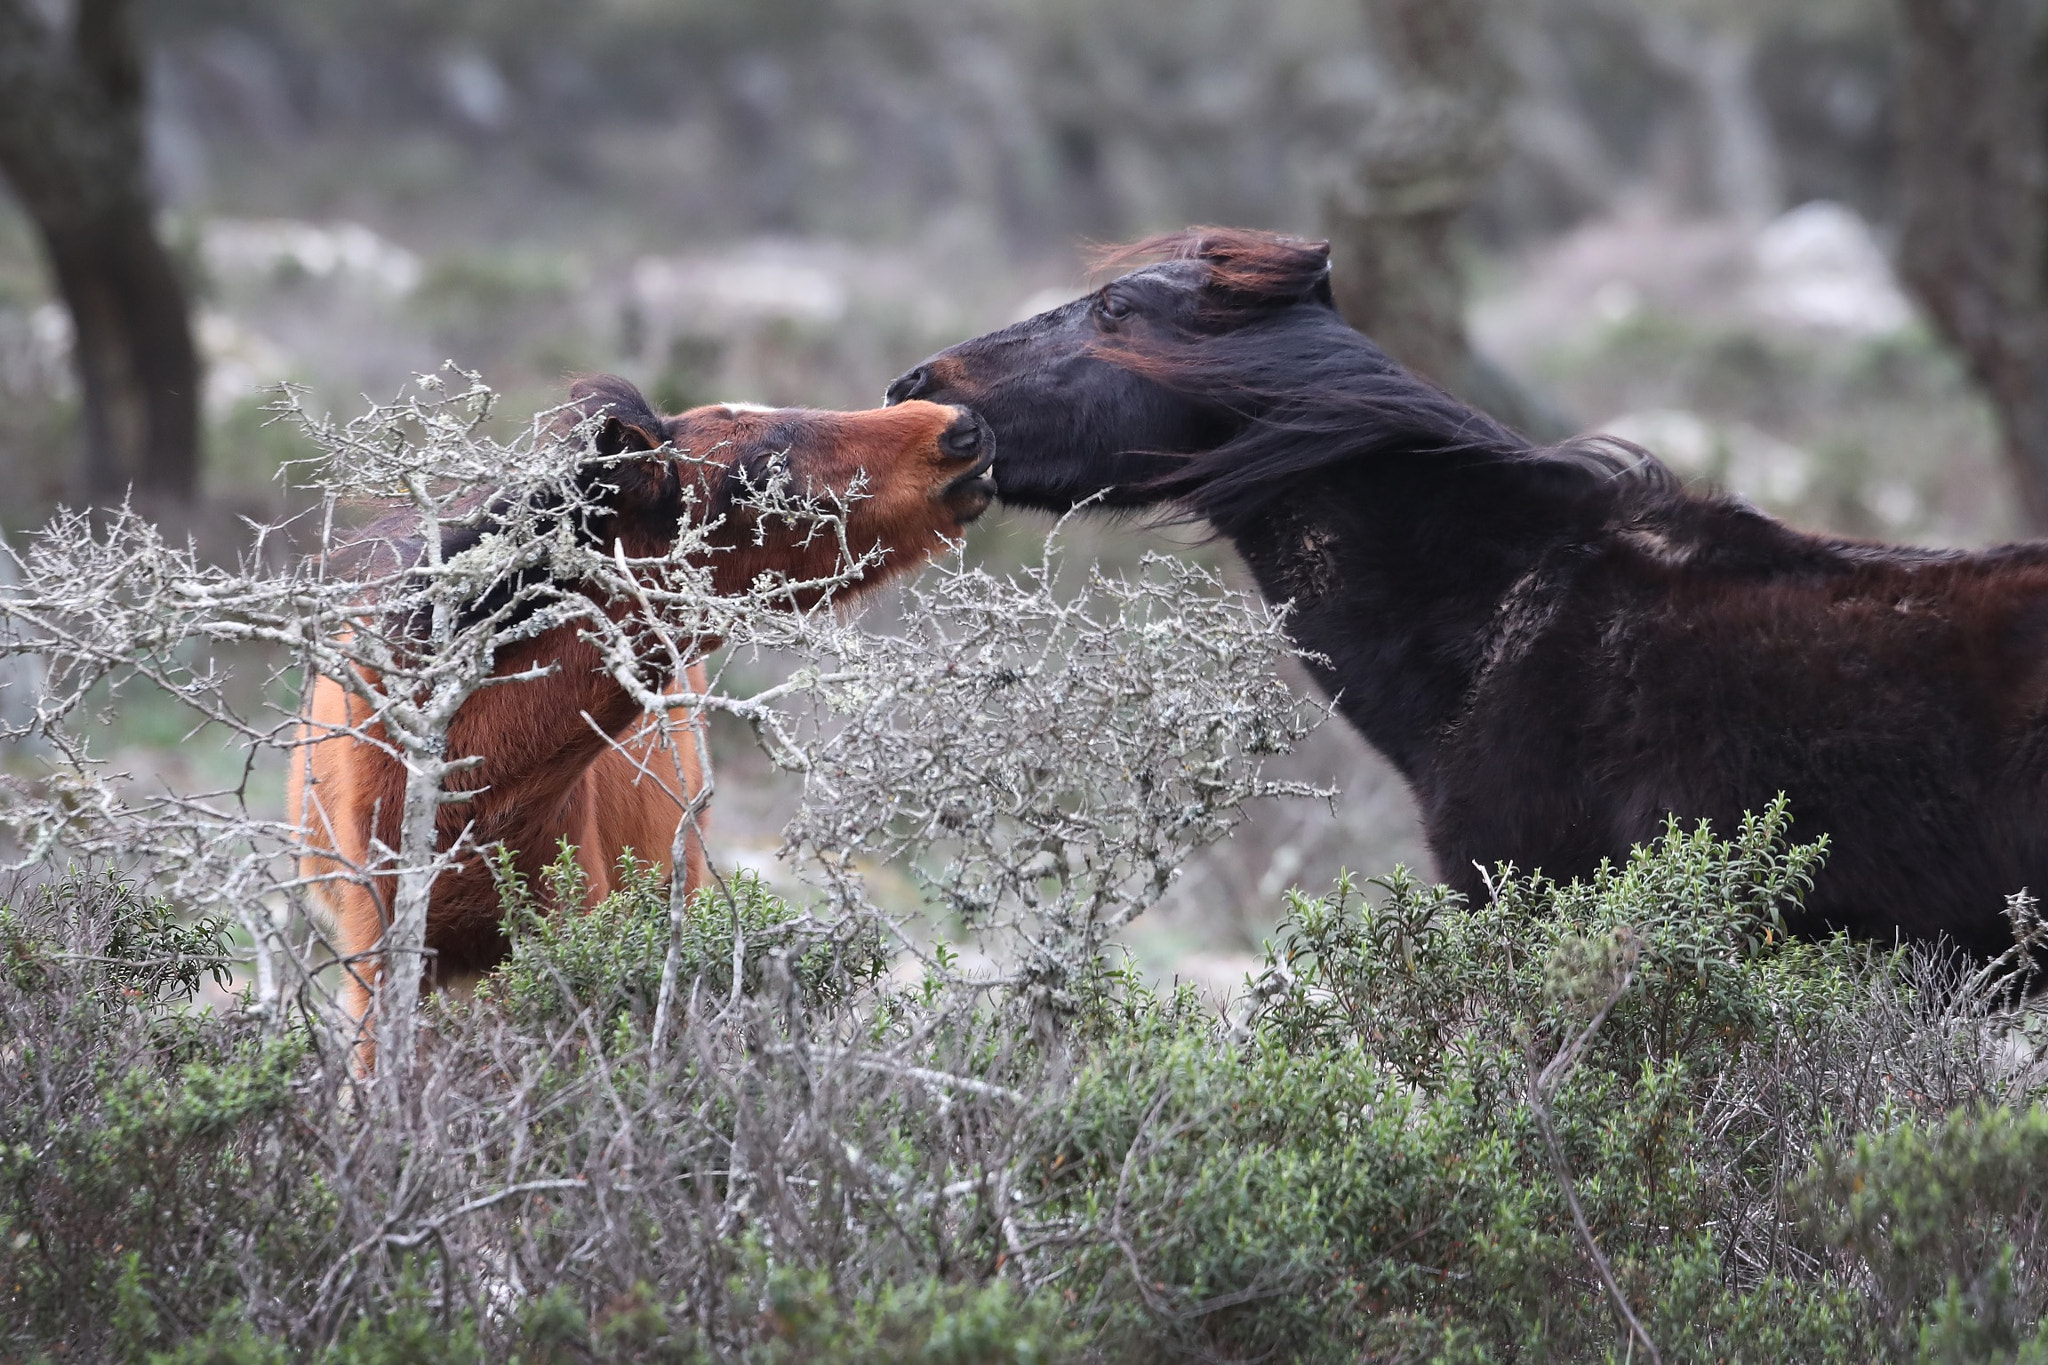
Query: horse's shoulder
(1714, 535)
(1724, 537)
(1690, 562)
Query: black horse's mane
(1318, 395)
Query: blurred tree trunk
(1396, 215)
(71, 145)
(1974, 173)
(1712, 49)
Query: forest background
(1687, 223)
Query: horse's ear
(629, 423)
(1320, 290)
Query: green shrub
(138, 1148)
(1782, 1151)
(610, 958)
(1950, 1211)
(1361, 1171)
(132, 942)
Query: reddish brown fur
(572, 757)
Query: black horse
(1557, 646)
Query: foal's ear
(629, 423)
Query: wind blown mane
(1316, 395)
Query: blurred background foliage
(1674, 219)
(789, 200)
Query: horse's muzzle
(913, 384)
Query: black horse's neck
(1399, 579)
(1402, 525)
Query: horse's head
(1106, 395)
(905, 479)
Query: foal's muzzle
(968, 438)
(970, 492)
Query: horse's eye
(1115, 307)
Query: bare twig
(1542, 1086)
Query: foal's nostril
(908, 386)
(963, 440)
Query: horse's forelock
(1243, 264)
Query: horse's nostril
(908, 386)
(963, 439)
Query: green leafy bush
(1780, 1151)
(1361, 1170)
(611, 958)
(137, 1135)
(1951, 1211)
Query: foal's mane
(1268, 343)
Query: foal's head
(905, 479)
(1110, 393)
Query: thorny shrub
(1622, 1118)
(1051, 758)
(1084, 741)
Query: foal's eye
(1115, 307)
